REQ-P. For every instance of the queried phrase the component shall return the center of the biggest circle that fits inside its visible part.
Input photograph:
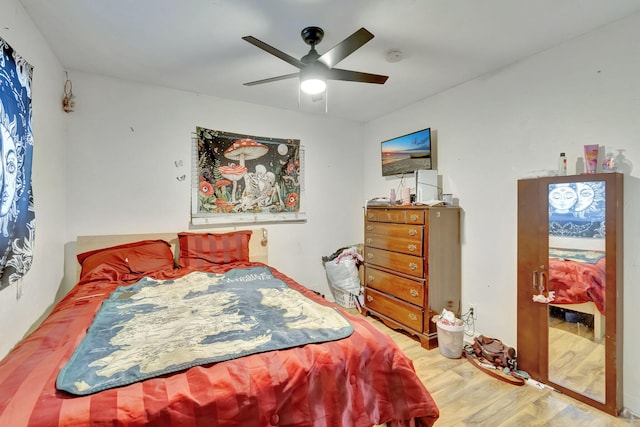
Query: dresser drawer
(414, 217)
(386, 215)
(395, 237)
(395, 215)
(407, 264)
(400, 311)
(400, 287)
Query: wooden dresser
(412, 266)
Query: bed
(577, 278)
(361, 380)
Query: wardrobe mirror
(577, 277)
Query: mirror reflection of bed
(577, 261)
(582, 319)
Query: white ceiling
(196, 45)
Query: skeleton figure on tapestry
(260, 189)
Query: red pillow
(203, 249)
(136, 257)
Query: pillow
(136, 257)
(204, 249)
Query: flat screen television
(407, 153)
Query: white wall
(125, 138)
(48, 177)
(493, 129)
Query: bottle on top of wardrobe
(562, 165)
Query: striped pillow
(204, 249)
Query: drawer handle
(411, 247)
(369, 241)
(414, 217)
(370, 255)
(413, 316)
(369, 298)
(370, 216)
(413, 293)
(369, 227)
(413, 266)
(370, 279)
(413, 232)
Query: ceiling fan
(316, 69)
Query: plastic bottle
(562, 165)
(609, 163)
(623, 165)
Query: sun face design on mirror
(562, 198)
(586, 196)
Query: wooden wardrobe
(570, 242)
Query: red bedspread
(358, 381)
(576, 282)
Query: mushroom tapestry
(17, 218)
(244, 174)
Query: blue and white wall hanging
(17, 217)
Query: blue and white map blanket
(155, 327)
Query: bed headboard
(258, 244)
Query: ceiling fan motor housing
(312, 35)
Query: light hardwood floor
(577, 363)
(467, 396)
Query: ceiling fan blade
(272, 50)
(355, 76)
(272, 79)
(346, 47)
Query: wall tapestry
(17, 217)
(577, 209)
(244, 178)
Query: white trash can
(450, 340)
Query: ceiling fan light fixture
(313, 85)
(312, 79)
